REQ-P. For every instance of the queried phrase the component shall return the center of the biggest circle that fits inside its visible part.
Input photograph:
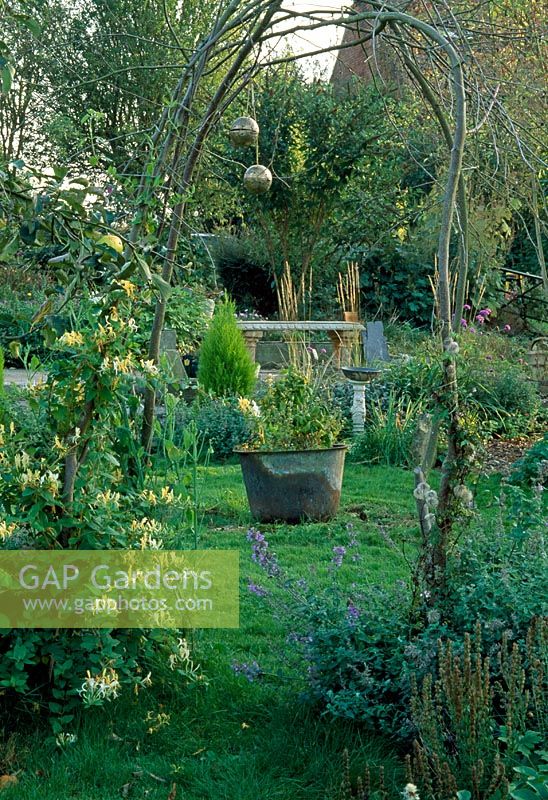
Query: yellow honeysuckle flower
(107, 498)
(149, 497)
(123, 365)
(71, 338)
(129, 288)
(167, 495)
(6, 530)
(149, 367)
(145, 524)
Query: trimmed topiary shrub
(225, 368)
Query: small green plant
(364, 789)
(531, 773)
(220, 423)
(225, 368)
(294, 414)
(388, 435)
(513, 398)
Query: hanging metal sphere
(257, 179)
(244, 132)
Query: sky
(324, 37)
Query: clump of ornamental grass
(389, 431)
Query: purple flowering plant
(343, 637)
(339, 553)
(482, 319)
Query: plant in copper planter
(293, 466)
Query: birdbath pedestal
(359, 377)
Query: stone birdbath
(359, 377)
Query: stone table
(343, 335)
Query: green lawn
(232, 739)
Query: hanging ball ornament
(244, 132)
(257, 179)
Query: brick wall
(368, 61)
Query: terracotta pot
(293, 485)
(351, 316)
